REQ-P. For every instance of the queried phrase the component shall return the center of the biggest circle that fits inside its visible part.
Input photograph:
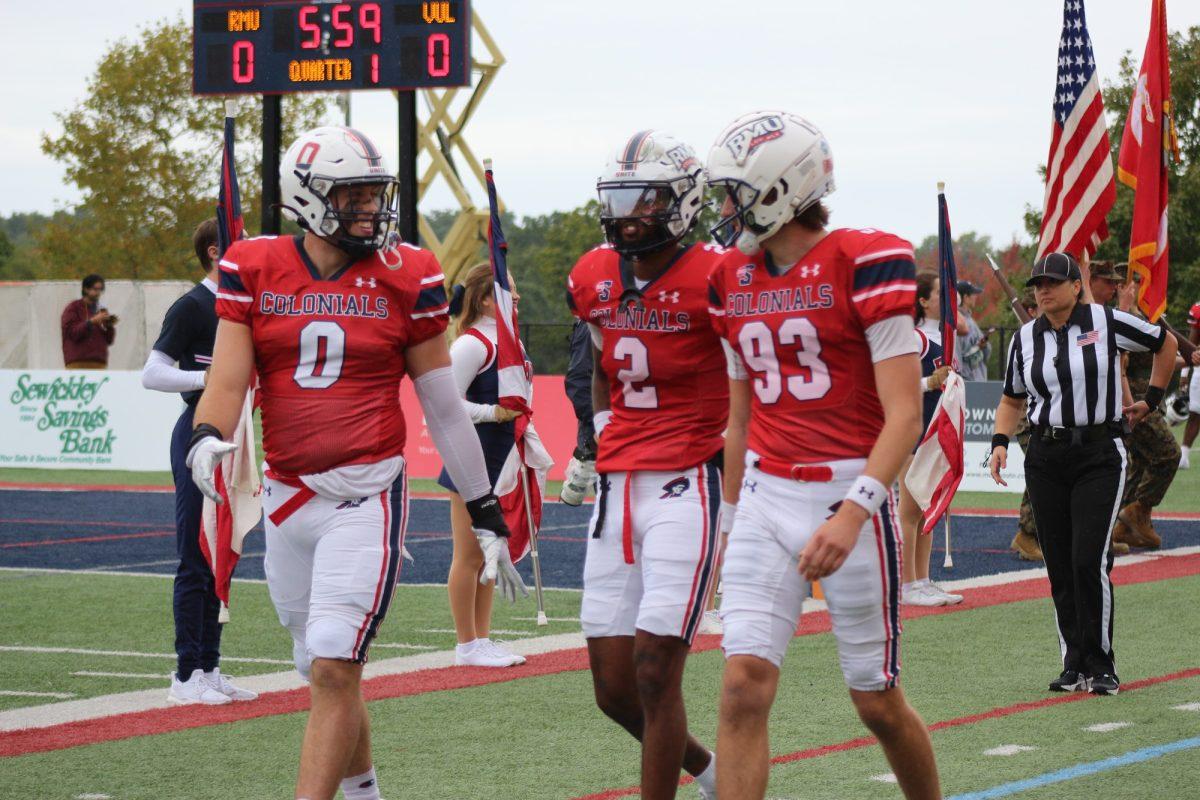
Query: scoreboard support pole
(271, 134)
(406, 167)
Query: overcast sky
(908, 93)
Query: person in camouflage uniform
(1153, 460)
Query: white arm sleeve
(892, 337)
(467, 357)
(597, 336)
(161, 375)
(734, 367)
(452, 432)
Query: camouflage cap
(1105, 270)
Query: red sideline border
(167, 720)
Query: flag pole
(533, 549)
(948, 561)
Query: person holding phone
(88, 329)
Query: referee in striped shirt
(1065, 365)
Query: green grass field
(541, 737)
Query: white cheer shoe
(482, 653)
(711, 623)
(196, 690)
(227, 687)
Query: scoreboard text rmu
(282, 46)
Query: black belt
(1080, 434)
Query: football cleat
(1069, 681)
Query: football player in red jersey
(332, 320)
(660, 403)
(818, 320)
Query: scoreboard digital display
(284, 46)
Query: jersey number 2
(322, 345)
(758, 349)
(638, 372)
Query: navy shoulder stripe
(713, 296)
(232, 281)
(431, 297)
(885, 272)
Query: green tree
(6, 250)
(1183, 174)
(146, 154)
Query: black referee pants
(1075, 490)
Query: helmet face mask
(773, 166)
(650, 194)
(322, 179)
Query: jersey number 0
(322, 345)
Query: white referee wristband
(600, 420)
(867, 493)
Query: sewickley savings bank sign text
(84, 419)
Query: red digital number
(243, 62)
(347, 38)
(309, 27)
(368, 19)
(374, 68)
(439, 62)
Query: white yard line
(59, 695)
(158, 676)
(128, 702)
(1108, 727)
(11, 648)
(1009, 750)
(1187, 707)
(502, 631)
(402, 646)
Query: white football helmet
(653, 177)
(773, 165)
(320, 161)
(1175, 408)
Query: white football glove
(203, 459)
(492, 534)
(498, 566)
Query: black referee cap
(1056, 266)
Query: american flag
(1079, 171)
(948, 274)
(1085, 339)
(515, 384)
(229, 204)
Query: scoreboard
(284, 46)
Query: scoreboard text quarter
(282, 46)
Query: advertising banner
(980, 423)
(84, 419)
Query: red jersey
(802, 338)
(668, 390)
(330, 352)
(1194, 316)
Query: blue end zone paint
(980, 543)
(1081, 770)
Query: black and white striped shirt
(1071, 376)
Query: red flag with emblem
(1146, 147)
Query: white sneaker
(710, 623)
(195, 690)
(226, 687)
(500, 649)
(479, 654)
(932, 588)
(1185, 460)
(915, 595)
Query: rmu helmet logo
(675, 488)
(749, 137)
(745, 274)
(604, 290)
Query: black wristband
(1154, 397)
(999, 440)
(203, 431)
(486, 514)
